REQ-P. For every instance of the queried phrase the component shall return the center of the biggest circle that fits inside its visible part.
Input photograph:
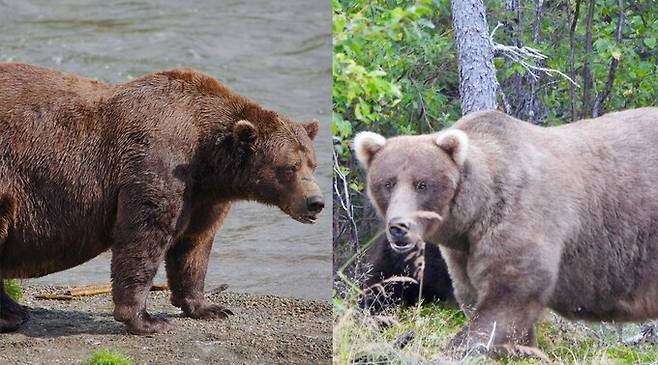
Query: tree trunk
(477, 75)
(588, 80)
(600, 99)
(522, 90)
(572, 51)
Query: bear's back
(590, 186)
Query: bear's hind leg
(12, 314)
(187, 263)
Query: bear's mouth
(402, 246)
(308, 219)
(305, 218)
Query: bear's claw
(210, 312)
(145, 324)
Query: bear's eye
(388, 185)
(289, 170)
(421, 185)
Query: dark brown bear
(528, 217)
(385, 264)
(148, 169)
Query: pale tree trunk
(477, 75)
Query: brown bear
(149, 169)
(528, 217)
(385, 264)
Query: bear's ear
(245, 133)
(455, 143)
(312, 128)
(366, 144)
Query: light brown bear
(148, 169)
(528, 217)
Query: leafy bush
(107, 357)
(394, 67)
(394, 72)
(13, 288)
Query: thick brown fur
(148, 169)
(563, 217)
(12, 315)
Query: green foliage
(394, 72)
(393, 65)
(629, 356)
(13, 288)
(107, 357)
(636, 76)
(358, 340)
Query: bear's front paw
(469, 343)
(208, 311)
(12, 316)
(460, 340)
(145, 324)
(12, 323)
(519, 351)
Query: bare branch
(522, 55)
(341, 188)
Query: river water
(276, 52)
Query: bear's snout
(315, 204)
(398, 234)
(398, 229)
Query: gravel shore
(264, 330)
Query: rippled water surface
(276, 52)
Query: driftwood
(88, 290)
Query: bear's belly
(29, 259)
(618, 310)
(604, 301)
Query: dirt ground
(264, 330)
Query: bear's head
(280, 163)
(412, 181)
(245, 151)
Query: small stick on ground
(88, 290)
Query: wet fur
(147, 168)
(563, 217)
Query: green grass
(358, 339)
(13, 288)
(107, 357)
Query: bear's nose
(315, 204)
(398, 228)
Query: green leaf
(107, 357)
